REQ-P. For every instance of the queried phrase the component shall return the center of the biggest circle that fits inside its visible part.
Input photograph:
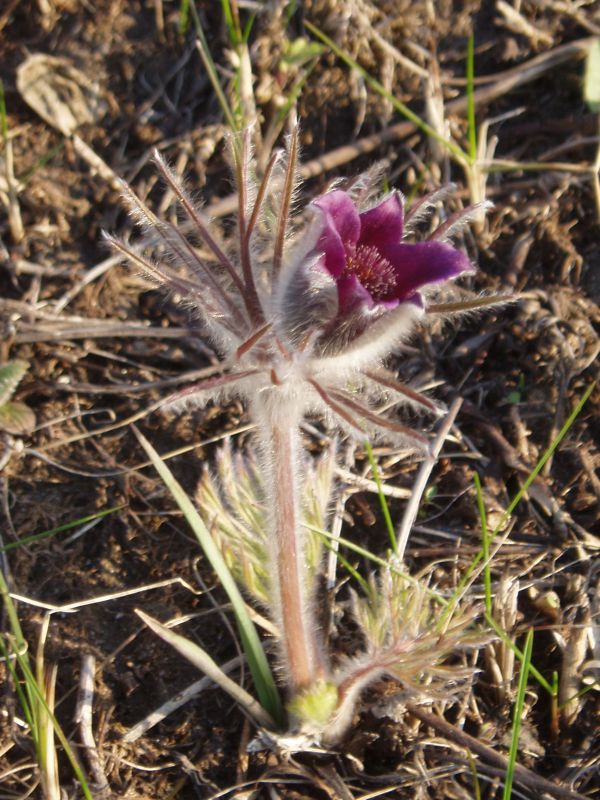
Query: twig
(173, 703)
(83, 717)
(97, 164)
(522, 774)
(365, 485)
(412, 507)
(336, 526)
(90, 601)
(509, 79)
(12, 188)
(107, 330)
(89, 276)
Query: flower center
(374, 271)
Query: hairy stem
(278, 428)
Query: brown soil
(521, 370)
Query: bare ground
(104, 350)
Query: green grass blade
(36, 537)
(519, 496)
(8, 655)
(375, 559)
(347, 565)
(551, 688)
(184, 17)
(257, 661)
(471, 99)
(517, 716)
(382, 500)
(451, 146)
(209, 66)
(233, 23)
(33, 686)
(542, 462)
(485, 549)
(33, 699)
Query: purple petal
(417, 265)
(338, 206)
(341, 229)
(352, 294)
(384, 223)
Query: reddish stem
(299, 646)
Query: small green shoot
(36, 537)
(430, 493)
(554, 719)
(517, 716)
(259, 666)
(184, 17)
(487, 578)
(516, 395)
(471, 99)
(383, 502)
(299, 53)
(289, 12)
(36, 698)
(211, 70)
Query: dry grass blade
(83, 716)
(171, 705)
(412, 507)
(200, 658)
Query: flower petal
(352, 294)
(417, 265)
(341, 229)
(384, 223)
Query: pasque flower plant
(304, 318)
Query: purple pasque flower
(371, 265)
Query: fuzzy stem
(278, 430)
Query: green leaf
(299, 52)
(16, 418)
(591, 82)
(259, 666)
(10, 376)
